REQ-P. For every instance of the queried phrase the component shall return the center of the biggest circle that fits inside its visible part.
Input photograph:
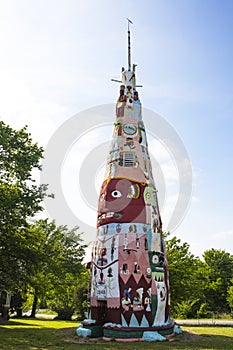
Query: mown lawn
(26, 334)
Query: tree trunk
(34, 305)
(5, 313)
(19, 312)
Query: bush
(186, 309)
(64, 313)
(204, 311)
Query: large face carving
(121, 200)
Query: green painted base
(135, 333)
(127, 334)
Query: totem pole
(129, 287)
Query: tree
(57, 267)
(20, 200)
(198, 288)
(217, 275)
(70, 277)
(81, 294)
(182, 265)
(230, 295)
(20, 197)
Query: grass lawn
(27, 334)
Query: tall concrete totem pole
(129, 288)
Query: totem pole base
(119, 333)
(132, 334)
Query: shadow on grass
(31, 338)
(9, 323)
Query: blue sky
(58, 58)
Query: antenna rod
(129, 51)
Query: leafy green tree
(198, 288)
(20, 200)
(81, 294)
(64, 295)
(230, 295)
(37, 257)
(57, 267)
(216, 276)
(183, 266)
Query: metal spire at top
(129, 51)
(128, 76)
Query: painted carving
(121, 201)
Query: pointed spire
(128, 78)
(129, 45)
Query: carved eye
(116, 194)
(155, 259)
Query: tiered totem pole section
(129, 294)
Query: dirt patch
(71, 337)
(79, 340)
(67, 331)
(183, 337)
(188, 336)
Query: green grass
(27, 334)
